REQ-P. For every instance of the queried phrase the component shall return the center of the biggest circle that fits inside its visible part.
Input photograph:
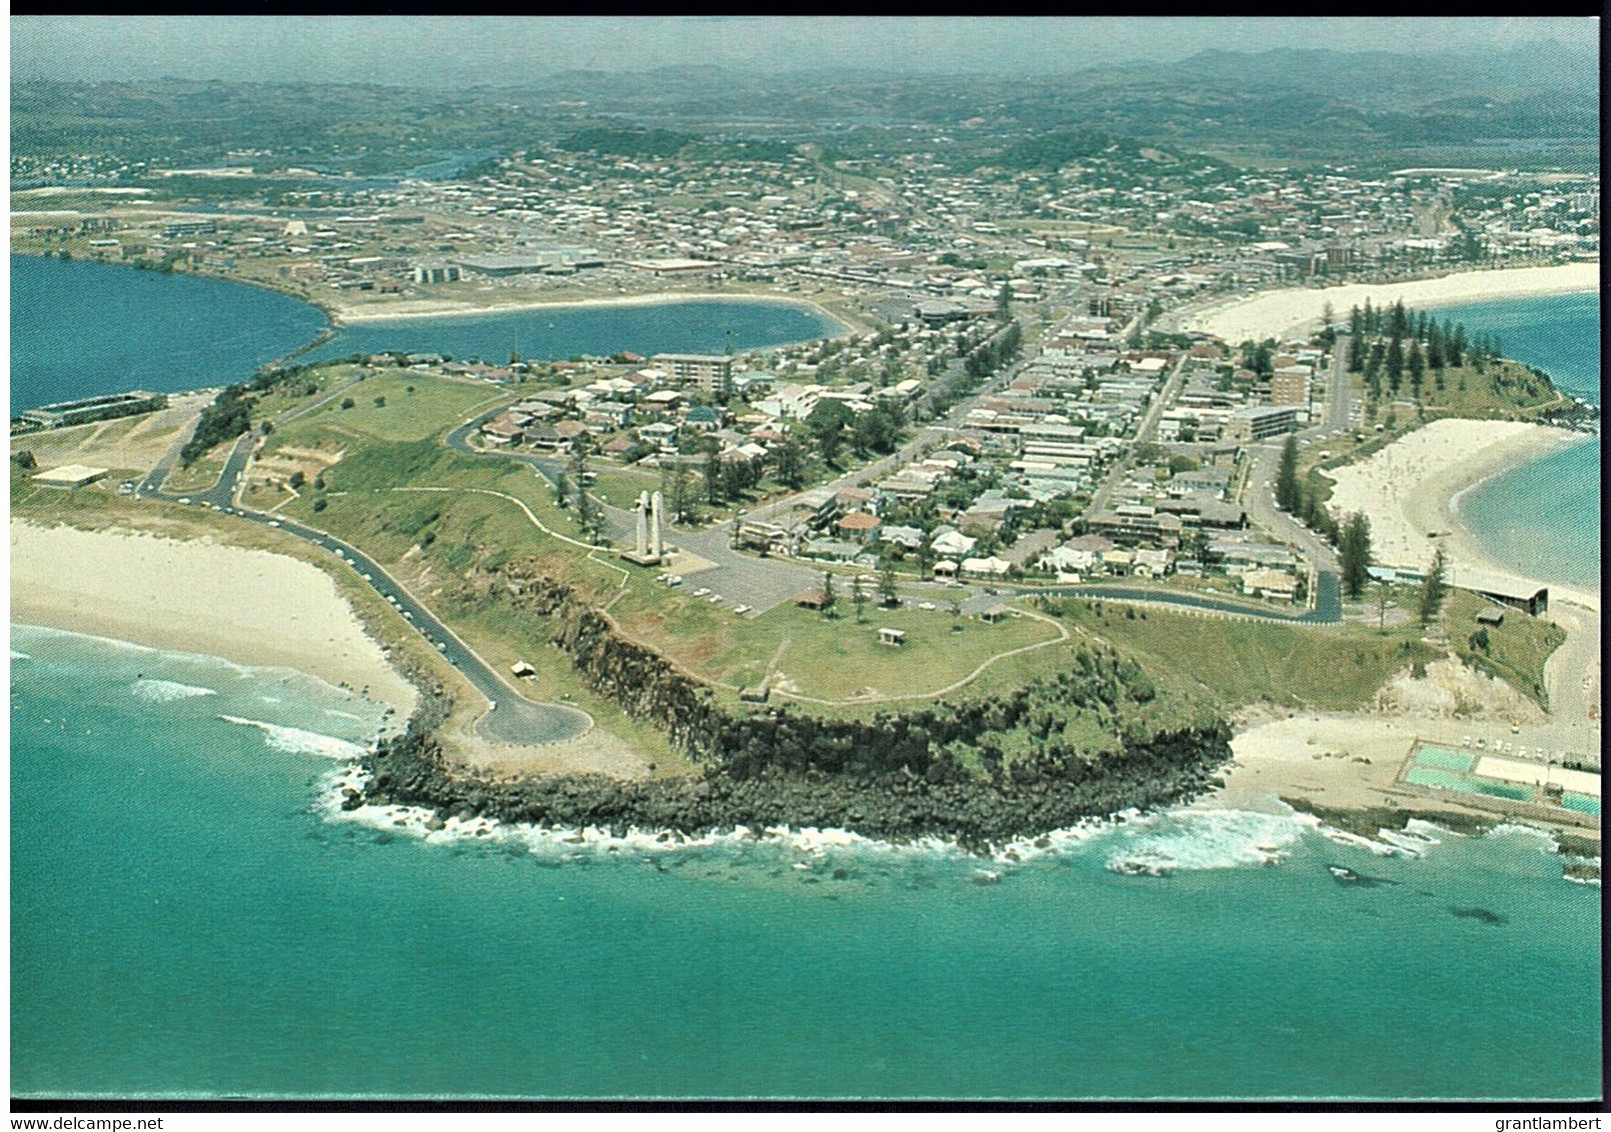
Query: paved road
(1327, 609)
(1144, 433)
(509, 718)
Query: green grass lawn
(436, 405)
(1241, 662)
(825, 658)
(1517, 649)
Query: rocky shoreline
(940, 771)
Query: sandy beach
(1408, 487)
(249, 606)
(1290, 311)
(354, 313)
(1351, 761)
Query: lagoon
(79, 329)
(692, 326)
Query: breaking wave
(294, 740)
(166, 691)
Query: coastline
(248, 606)
(408, 309)
(1285, 311)
(1345, 765)
(1413, 486)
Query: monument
(649, 549)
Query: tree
(858, 598)
(1287, 491)
(1435, 588)
(713, 479)
(1417, 366)
(25, 460)
(1354, 553)
(1395, 364)
(886, 585)
(1004, 302)
(827, 424)
(789, 462)
(297, 479)
(347, 402)
(1381, 606)
(829, 600)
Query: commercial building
(1260, 422)
(712, 373)
(1289, 385)
(104, 408)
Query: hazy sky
(447, 51)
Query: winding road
(510, 718)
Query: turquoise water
(706, 326)
(1544, 517)
(80, 328)
(1582, 803)
(189, 918)
(1442, 757)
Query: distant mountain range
(1534, 105)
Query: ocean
(191, 915)
(1543, 518)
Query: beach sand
(352, 313)
(1290, 311)
(1350, 761)
(249, 606)
(1408, 488)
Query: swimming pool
(1444, 759)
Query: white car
(925, 605)
(701, 591)
(741, 609)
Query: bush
(347, 402)
(320, 504)
(380, 402)
(297, 479)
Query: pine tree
(1435, 588)
(829, 600)
(1354, 553)
(886, 585)
(1395, 364)
(1417, 366)
(1287, 491)
(858, 598)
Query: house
(812, 599)
(1153, 563)
(895, 637)
(502, 432)
(544, 438)
(1494, 617)
(991, 567)
(662, 433)
(662, 401)
(858, 525)
(833, 550)
(909, 537)
(619, 446)
(1270, 583)
(994, 614)
(951, 542)
(705, 418)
